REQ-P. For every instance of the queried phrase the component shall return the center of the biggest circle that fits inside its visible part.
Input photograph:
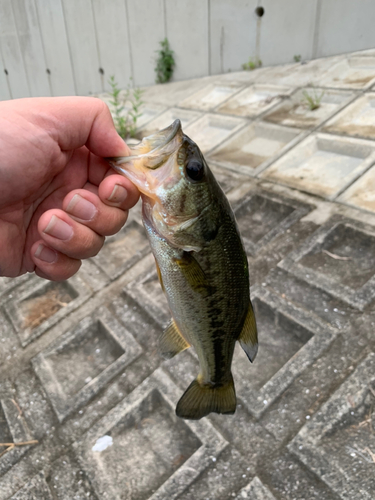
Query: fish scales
(201, 264)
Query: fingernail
(59, 229)
(81, 208)
(46, 254)
(118, 194)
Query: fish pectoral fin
(201, 399)
(171, 341)
(159, 275)
(249, 335)
(192, 271)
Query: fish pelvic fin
(249, 335)
(201, 399)
(171, 341)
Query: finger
(87, 208)
(118, 191)
(52, 265)
(74, 122)
(60, 232)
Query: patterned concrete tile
(123, 250)
(142, 450)
(82, 361)
(338, 444)
(356, 120)
(295, 110)
(262, 216)
(355, 72)
(255, 490)
(211, 130)
(211, 96)
(254, 100)
(338, 258)
(38, 307)
(36, 489)
(361, 194)
(323, 164)
(255, 147)
(165, 119)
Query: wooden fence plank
(56, 48)
(113, 40)
(146, 28)
(11, 52)
(80, 27)
(31, 47)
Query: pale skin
(58, 196)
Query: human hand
(58, 197)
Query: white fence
(64, 47)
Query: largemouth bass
(201, 264)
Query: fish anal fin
(201, 399)
(249, 335)
(192, 272)
(159, 275)
(171, 341)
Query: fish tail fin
(201, 399)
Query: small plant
(165, 62)
(125, 119)
(252, 64)
(297, 58)
(312, 101)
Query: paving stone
(330, 309)
(37, 308)
(123, 250)
(227, 180)
(13, 429)
(323, 164)
(8, 284)
(262, 216)
(165, 119)
(290, 339)
(255, 490)
(211, 96)
(338, 258)
(171, 93)
(254, 100)
(66, 480)
(355, 120)
(35, 489)
(356, 72)
(294, 111)
(361, 194)
(82, 361)
(255, 147)
(338, 445)
(211, 130)
(150, 453)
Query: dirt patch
(360, 82)
(39, 309)
(239, 157)
(288, 117)
(367, 131)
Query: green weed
(252, 64)
(312, 101)
(125, 119)
(165, 62)
(297, 58)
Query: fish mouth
(151, 161)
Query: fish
(200, 261)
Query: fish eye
(194, 170)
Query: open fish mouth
(151, 161)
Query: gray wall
(59, 47)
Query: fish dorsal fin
(159, 275)
(192, 272)
(171, 341)
(249, 336)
